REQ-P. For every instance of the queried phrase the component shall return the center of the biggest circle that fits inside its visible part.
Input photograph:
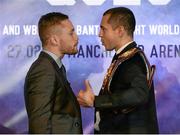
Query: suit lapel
(56, 67)
(61, 77)
(130, 46)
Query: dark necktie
(63, 71)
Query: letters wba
(100, 2)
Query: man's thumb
(87, 84)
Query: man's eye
(103, 29)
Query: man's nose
(76, 37)
(100, 33)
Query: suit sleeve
(39, 98)
(136, 94)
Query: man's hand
(86, 97)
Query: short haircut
(122, 16)
(47, 21)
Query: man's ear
(54, 40)
(120, 31)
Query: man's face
(68, 38)
(107, 34)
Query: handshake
(86, 97)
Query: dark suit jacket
(129, 88)
(50, 102)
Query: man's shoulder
(131, 56)
(133, 63)
(41, 65)
(42, 62)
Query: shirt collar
(122, 48)
(55, 57)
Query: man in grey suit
(50, 102)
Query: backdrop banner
(157, 33)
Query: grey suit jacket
(50, 102)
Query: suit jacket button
(77, 124)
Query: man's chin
(108, 49)
(73, 52)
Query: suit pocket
(62, 123)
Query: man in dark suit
(50, 102)
(126, 102)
